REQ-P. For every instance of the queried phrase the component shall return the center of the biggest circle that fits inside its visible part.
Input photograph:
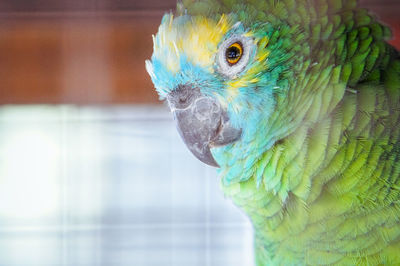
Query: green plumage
(340, 170)
(328, 190)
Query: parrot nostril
(183, 96)
(182, 99)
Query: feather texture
(318, 166)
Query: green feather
(320, 177)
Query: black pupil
(232, 53)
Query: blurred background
(92, 171)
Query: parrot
(297, 105)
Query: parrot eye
(233, 55)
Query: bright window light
(29, 167)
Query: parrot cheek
(201, 122)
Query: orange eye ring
(233, 53)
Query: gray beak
(201, 122)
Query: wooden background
(92, 52)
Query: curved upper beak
(201, 122)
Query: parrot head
(222, 84)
